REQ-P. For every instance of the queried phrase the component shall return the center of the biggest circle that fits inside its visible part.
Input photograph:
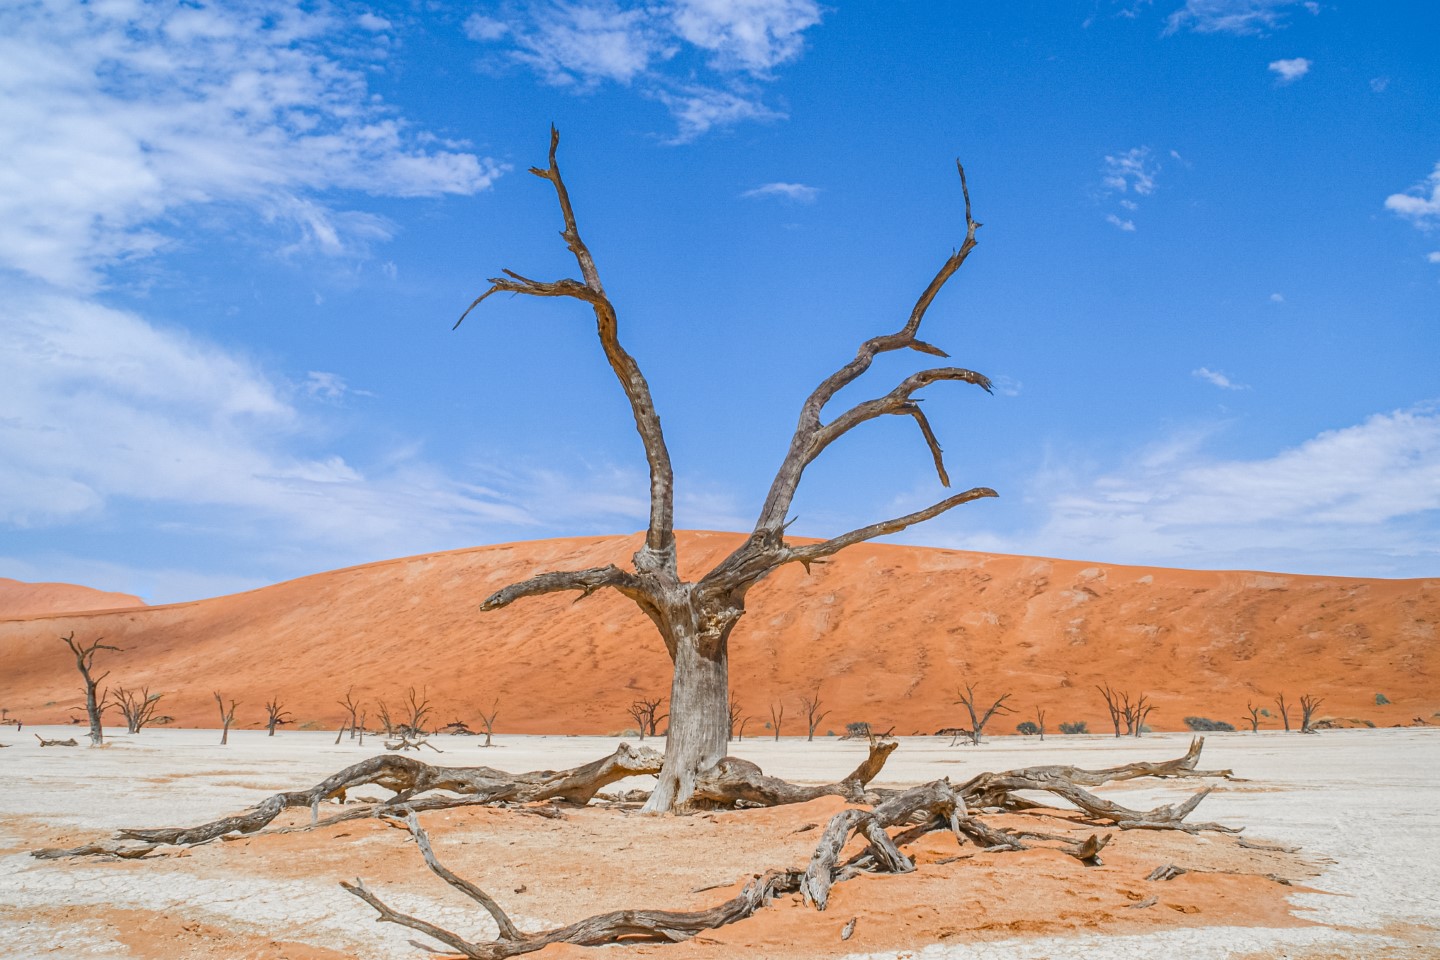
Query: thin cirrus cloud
(797, 192)
(1125, 177)
(1239, 17)
(115, 118)
(584, 44)
(1288, 71)
(1364, 500)
(1217, 378)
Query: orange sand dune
(888, 632)
(19, 599)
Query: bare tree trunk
(699, 720)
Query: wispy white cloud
(1433, 256)
(1277, 298)
(115, 116)
(1134, 170)
(1421, 203)
(1290, 70)
(1125, 175)
(583, 44)
(1242, 17)
(1217, 378)
(697, 110)
(798, 192)
(1363, 500)
(1379, 84)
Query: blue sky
(233, 240)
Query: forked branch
(586, 581)
(660, 536)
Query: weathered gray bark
(695, 618)
(84, 661)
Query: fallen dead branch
(57, 743)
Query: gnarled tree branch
(586, 581)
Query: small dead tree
(777, 716)
(1308, 706)
(137, 707)
(382, 709)
(736, 709)
(978, 719)
(1254, 712)
(276, 715)
(1284, 710)
(84, 662)
(695, 619)
(647, 715)
(417, 711)
(1112, 706)
(813, 713)
(489, 720)
(226, 718)
(1040, 722)
(351, 706)
(1135, 714)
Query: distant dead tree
(1284, 710)
(1112, 706)
(1308, 706)
(137, 707)
(489, 720)
(777, 716)
(695, 618)
(1254, 712)
(1135, 713)
(978, 719)
(647, 715)
(1040, 722)
(226, 718)
(736, 710)
(276, 715)
(813, 714)
(382, 709)
(417, 710)
(84, 661)
(351, 707)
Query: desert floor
(1360, 805)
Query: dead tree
(386, 721)
(979, 719)
(226, 718)
(1254, 712)
(351, 707)
(695, 618)
(84, 662)
(735, 710)
(1308, 706)
(276, 715)
(813, 714)
(417, 711)
(777, 717)
(1284, 710)
(648, 716)
(137, 707)
(1112, 706)
(1040, 722)
(1135, 714)
(489, 720)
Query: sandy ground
(1360, 804)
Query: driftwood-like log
(633, 926)
(728, 783)
(57, 743)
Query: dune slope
(887, 632)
